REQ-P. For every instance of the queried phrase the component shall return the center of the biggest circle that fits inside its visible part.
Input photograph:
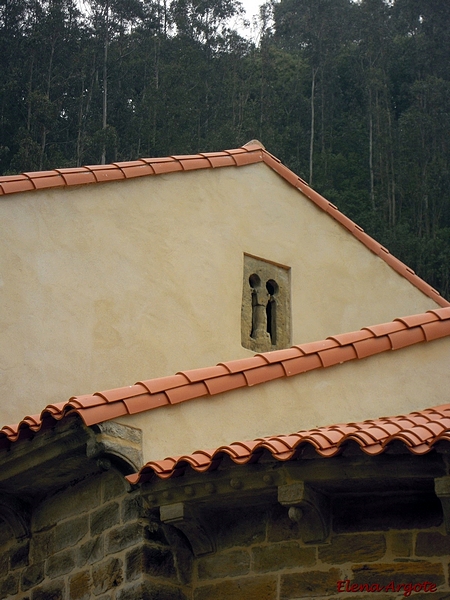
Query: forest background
(352, 95)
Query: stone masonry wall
(260, 557)
(95, 540)
(89, 541)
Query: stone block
(6, 533)
(403, 572)
(71, 502)
(153, 560)
(280, 527)
(19, 556)
(309, 584)
(132, 508)
(123, 537)
(249, 588)
(107, 575)
(42, 545)
(91, 551)
(286, 555)
(9, 586)
(401, 543)
(432, 544)
(32, 576)
(52, 591)
(241, 527)
(104, 518)
(80, 586)
(114, 485)
(224, 564)
(71, 532)
(60, 563)
(150, 590)
(357, 547)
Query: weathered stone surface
(9, 586)
(70, 532)
(251, 588)
(131, 507)
(19, 556)
(311, 583)
(357, 547)
(281, 527)
(91, 552)
(152, 560)
(80, 586)
(6, 533)
(381, 513)
(4, 564)
(32, 575)
(224, 564)
(432, 544)
(73, 501)
(242, 527)
(42, 545)
(123, 537)
(401, 543)
(104, 518)
(282, 556)
(150, 590)
(61, 563)
(52, 591)
(114, 485)
(403, 572)
(107, 575)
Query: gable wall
(107, 284)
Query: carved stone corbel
(117, 443)
(307, 507)
(181, 516)
(442, 489)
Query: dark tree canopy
(353, 95)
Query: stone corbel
(307, 507)
(442, 489)
(118, 444)
(196, 530)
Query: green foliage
(355, 93)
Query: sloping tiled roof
(419, 431)
(251, 153)
(187, 385)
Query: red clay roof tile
(371, 438)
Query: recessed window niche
(266, 306)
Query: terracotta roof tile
(154, 393)
(253, 152)
(371, 346)
(79, 176)
(370, 437)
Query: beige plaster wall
(388, 384)
(103, 285)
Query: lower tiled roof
(418, 431)
(188, 385)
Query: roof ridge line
(246, 372)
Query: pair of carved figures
(263, 309)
